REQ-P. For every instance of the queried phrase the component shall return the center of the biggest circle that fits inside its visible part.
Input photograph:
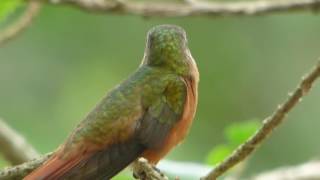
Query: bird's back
(146, 115)
(108, 139)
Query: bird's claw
(158, 170)
(140, 175)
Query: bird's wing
(102, 145)
(161, 117)
(151, 129)
(130, 137)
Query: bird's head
(167, 47)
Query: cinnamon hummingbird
(144, 116)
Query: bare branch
(307, 171)
(192, 7)
(25, 20)
(14, 147)
(269, 124)
(20, 171)
(142, 170)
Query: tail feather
(106, 163)
(53, 168)
(103, 164)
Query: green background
(54, 73)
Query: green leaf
(239, 132)
(124, 175)
(217, 154)
(7, 7)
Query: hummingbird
(146, 115)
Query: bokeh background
(53, 74)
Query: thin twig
(192, 7)
(14, 147)
(20, 171)
(25, 20)
(142, 169)
(269, 124)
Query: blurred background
(53, 75)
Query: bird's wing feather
(149, 127)
(107, 130)
(163, 114)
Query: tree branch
(14, 147)
(25, 20)
(305, 171)
(192, 7)
(20, 171)
(142, 170)
(269, 124)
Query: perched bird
(144, 116)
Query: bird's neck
(181, 62)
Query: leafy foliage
(7, 7)
(218, 153)
(235, 134)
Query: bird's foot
(143, 170)
(140, 175)
(158, 170)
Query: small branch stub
(32, 10)
(14, 147)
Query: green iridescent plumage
(156, 83)
(149, 88)
(137, 116)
